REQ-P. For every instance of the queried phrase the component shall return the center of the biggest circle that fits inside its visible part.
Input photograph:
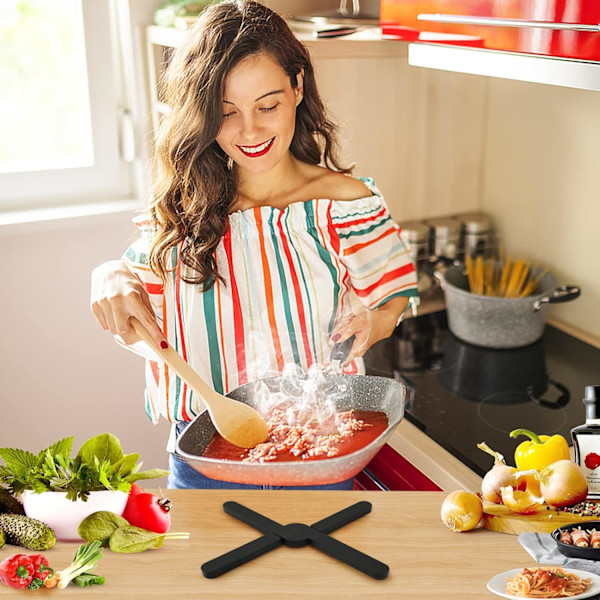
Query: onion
(522, 502)
(500, 475)
(562, 483)
(461, 510)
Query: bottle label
(589, 461)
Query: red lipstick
(260, 152)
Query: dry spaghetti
(503, 278)
(548, 582)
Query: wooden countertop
(403, 530)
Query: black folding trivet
(296, 535)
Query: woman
(256, 237)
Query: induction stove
(461, 395)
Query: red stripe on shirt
(333, 234)
(396, 273)
(153, 288)
(238, 321)
(362, 221)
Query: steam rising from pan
(305, 399)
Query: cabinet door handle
(471, 20)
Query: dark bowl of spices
(579, 540)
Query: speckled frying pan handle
(340, 351)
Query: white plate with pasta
(545, 585)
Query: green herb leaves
(99, 526)
(99, 465)
(112, 530)
(101, 448)
(130, 539)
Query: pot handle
(564, 293)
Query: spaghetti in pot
(549, 582)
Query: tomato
(135, 490)
(148, 512)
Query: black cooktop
(460, 394)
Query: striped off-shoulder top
(288, 275)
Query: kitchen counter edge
(444, 469)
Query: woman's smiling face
(259, 112)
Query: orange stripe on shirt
(269, 292)
(357, 247)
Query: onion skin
(522, 502)
(461, 511)
(499, 476)
(562, 483)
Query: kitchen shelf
(565, 72)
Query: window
(59, 105)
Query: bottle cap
(592, 394)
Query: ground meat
(304, 441)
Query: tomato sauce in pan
(372, 425)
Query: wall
(541, 185)
(62, 375)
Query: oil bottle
(586, 441)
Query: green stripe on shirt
(285, 293)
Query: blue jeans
(185, 477)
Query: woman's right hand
(117, 295)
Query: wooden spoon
(235, 421)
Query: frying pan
(358, 392)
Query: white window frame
(112, 177)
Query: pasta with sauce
(554, 582)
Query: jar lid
(414, 231)
(475, 222)
(444, 226)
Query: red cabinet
(576, 36)
(390, 471)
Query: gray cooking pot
(494, 322)
(359, 392)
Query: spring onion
(86, 558)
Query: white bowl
(64, 516)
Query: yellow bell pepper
(537, 453)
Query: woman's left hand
(369, 326)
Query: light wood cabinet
(417, 132)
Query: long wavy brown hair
(193, 188)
